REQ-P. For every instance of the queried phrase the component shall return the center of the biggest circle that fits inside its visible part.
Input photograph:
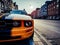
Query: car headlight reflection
(16, 23)
(27, 23)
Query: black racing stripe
(5, 33)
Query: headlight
(15, 23)
(27, 23)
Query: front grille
(6, 35)
(10, 23)
(5, 29)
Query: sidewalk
(37, 41)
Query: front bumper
(17, 35)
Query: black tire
(32, 36)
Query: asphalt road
(50, 29)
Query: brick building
(35, 13)
(43, 13)
(53, 10)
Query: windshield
(15, 12)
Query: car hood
(18, 17)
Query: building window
(54, 6)
(57, 0)
(48, 6)
(0, 4)
(45, 7)
(56, 12)
(54, 2)
(57, 5)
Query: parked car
(16, 27)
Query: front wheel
(30, 40)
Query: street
(46, 32)
(29, 22)
(50, 29)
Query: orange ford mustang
(16, 27)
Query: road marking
(37, 41)
(45, 26)
(36, 38)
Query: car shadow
(24, 42)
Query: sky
(29, 5)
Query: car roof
(18, 17)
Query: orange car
(16, 27)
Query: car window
(15, 12)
